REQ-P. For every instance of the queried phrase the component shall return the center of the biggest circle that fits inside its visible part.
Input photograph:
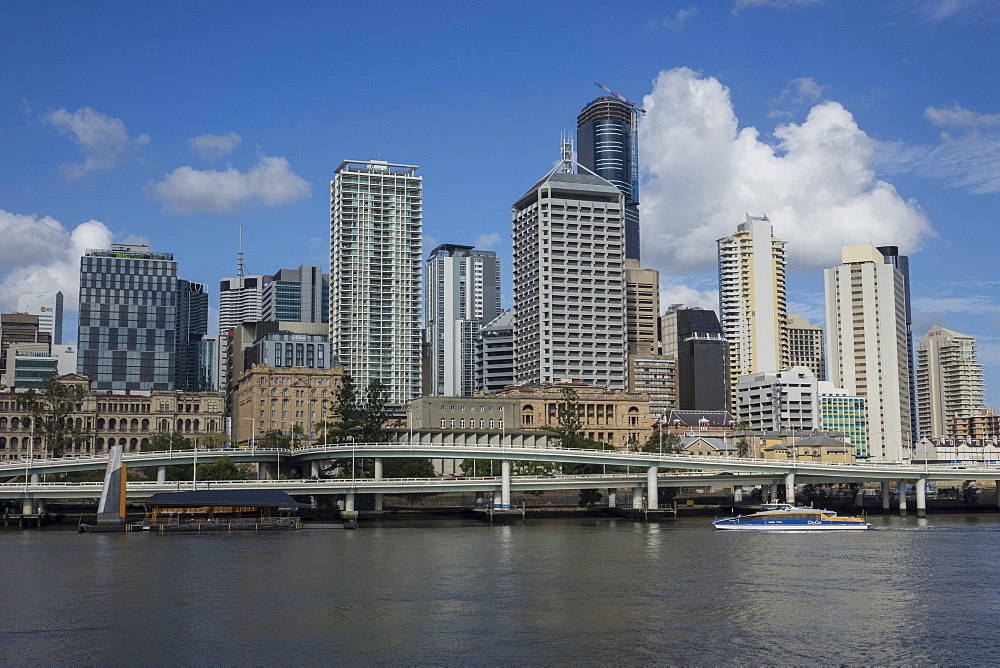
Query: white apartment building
(866, 345)
(949, 381)
(462, 295)
(569, 281)
(752, 298)
(240, 300)
(376, 249)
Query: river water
(550, 592)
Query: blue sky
(176, 123)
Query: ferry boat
(786, 517)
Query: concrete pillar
(40, 506)
(737, 494)
(27, 506)
(349, 502)
(378, 476)
(886, 506)
(314, 468)
(480, 502)
(921, 497)
(261, 471)
(773, 493)
(901, 486)
(859, 498)
(653, 492)
(612, 499)
(35, 478)
(790, 488)
(161, 474)
(637, 497)
(505, 493)
(497, 498)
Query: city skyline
(838, 144)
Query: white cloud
(969, 161)
(188, 190)
(673, 292)
(957, 117)
(486, 241)
(961, 12)
(740, 4)
(213, 147)
(103, 139)
(51, 262)
(680, 19)
(702, 173)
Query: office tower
(128, 318)
(949, 381)
(209, 371)
(752, 298)
(297, 295)
(192, 325)
(656, 376)
(866, 345)
(27, 365)
(48, 306)
(495, 353)
(569, 281)
(693, 336)
(462, 294)
(642, 303)
(902, 263)
(846, 415)
(241, 300)
(376, 220)
(805, 345)
(608, 145)
(284, 350)
(21, 328)
(779, 401)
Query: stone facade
(116, 418)
(269, 399)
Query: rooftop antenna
(566, 154)
(241, 268)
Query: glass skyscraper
(607, 144)
(127, 333)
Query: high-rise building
(569, 281)
(779, 401)
(805, 345)
(48, 306)
(656, 376)
(462, 295)
(209, 372)
(949, 381)
(128, 318)
(297, 295)
(376, 223)
(21, 328)
(495, 354)
(241, 299)
(608, 145)
(693, 336)
(866, 345)
(642, 304)
(752, 298)
(192, 325)
(902, 263)
(846, 415)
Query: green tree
(171, 441)
(670, 443)
(345, 412)
(743, 447)
(223, 468)
(374, 414)
(398, 467)
(568, 422)
(50, 409)
(970, 494)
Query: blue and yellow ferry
(786, 517)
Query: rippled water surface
(548, 592)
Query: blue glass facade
(607, 144)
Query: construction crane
(630, 103)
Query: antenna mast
(241, 268)
(567, 166)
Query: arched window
(133, 444)
(197, 424)
(3, 442)
(15, 423)
(134, 425)
(112, 424)
(145, 424)
(100, 423)
(3, 423)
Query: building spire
(241, 268)
(567, 163)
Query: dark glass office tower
(693, 336)
(902, 262)
(607, 144)
(192, 325)
(127, 333)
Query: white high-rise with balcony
(752, 299)
(866, 344)
(376, 249)
(949, 381)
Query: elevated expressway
(697, 471)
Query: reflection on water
(548, 592)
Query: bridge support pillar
(653, 491)
(773, 493)
(505, 490)
(378, 476)
(497, 498)
(40, 506)
(901, 486)
(921, 497)
(27, 506)
(612, 498)
(349, 502)
(161, 474)
(790, 488)
(637, 498)
(314, 468)
(886, 506)
(35, 478)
